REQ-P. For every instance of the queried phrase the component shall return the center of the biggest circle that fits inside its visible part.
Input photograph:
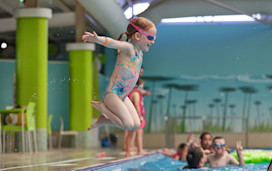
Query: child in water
(221, 157)
(117, 109)
(195, 159)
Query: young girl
(117, 110)
(136, 97)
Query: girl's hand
(90, 37)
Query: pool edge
(112, 163)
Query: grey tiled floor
(58, 159)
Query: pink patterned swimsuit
(124, 76)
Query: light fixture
(137, 9)
(208, 19)
(4, 45)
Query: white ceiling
(183, 8)
(158, 9)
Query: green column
(31, 65)
(81, 85)
(96, 97)
(81, 90)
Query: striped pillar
(80, 89)
(31, 65)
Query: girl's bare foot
(105, 120)
(102, 120)
(98, 105)
(134, 148)
(128, 154)
(142, 152)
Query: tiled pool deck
(59, 159)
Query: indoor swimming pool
(156, 162)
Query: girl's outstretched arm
(106, 41)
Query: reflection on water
(155, 162)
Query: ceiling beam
(6, 7)
(62, 6)
(31, 3)
(187, 8)
(89, 19)
(109, 14)
(222, 5)
(80, 21)
(58, 20)
(95, 24)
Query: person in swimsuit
(204, 142)
(221, 157)
(117, 109)
(141, 89)
(195, 159)
(136, 97)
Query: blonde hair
(143, 23)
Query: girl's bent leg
(102, 120)
(105, 110)
(115, 110)
(133, 113)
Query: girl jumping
(117, 109)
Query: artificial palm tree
(186, 88)
(160, 98)
(153, 79)
(232, 106)
(155, 118)
(217, 102)
(226, 90)
(191, 109)
(248, 91)
(257, 103)
(270, 113)
(211, 106)
(170, 86)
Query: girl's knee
(137, 125)
(129, 125)
(132, 127)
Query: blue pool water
(159, 162)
